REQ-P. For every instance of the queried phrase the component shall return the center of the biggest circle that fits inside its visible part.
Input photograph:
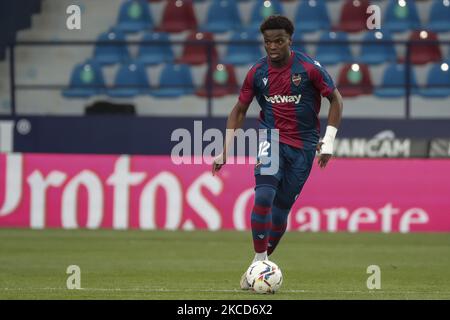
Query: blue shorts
(294, 166)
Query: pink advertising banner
(151, 192)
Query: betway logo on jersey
(283, 99)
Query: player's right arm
(235, 121)
(236, 117)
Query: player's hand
(323, 157)
(218, 163)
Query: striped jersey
(289, 97)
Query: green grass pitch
(208, 265)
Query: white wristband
(328, 140)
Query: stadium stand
(159, 29)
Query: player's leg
(295, 176)
(261, 216)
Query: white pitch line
(221, 290)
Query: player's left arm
(325, 147)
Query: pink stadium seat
(178, 16)
(223, 79)
(353, 16)
(196, 52)
(354, 80)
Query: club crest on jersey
(265, 81)
(296, 78)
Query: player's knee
(264, 196)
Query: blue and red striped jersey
(290, 97)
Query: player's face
(277, 44)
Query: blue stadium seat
(131, 80)
(312, 15)
(376, 53)
(401, 16)
(86, 80)
(439, 19)
(223, 16)
(438, 82)
(175, 81)
(297, 43)
(332, 53)
(394, 80)
(151, 54)
(264, 8)
(241, 54)
(110, 54)
(134, 16)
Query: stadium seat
(134, 16)
(354, 80)
(262, 9)
(175, 81)
(151, 54)
(110, 54)
(197, 49)
(312, 15)
(438, 82)
(178, 16)
(131, 80)
(86, 80)
(223, 80)
(423, 51)
(240, 54)
(297, 42)
(439, 19)
(401, 16)
(223, 16)
(353, 16)
(394, 82)
(332, 53)
(376, 53)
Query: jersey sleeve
(322, 80)
(247, 92)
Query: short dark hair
(277, 22)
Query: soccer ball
(264, 277)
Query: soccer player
(288, 86)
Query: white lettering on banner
(386, 217)
(239, 210)
(413, 215)
(38, 189)
(121, 180)
(361, 215)
(13, 184)
(174, 201)
(204, 208)
(335, 214)
(373, 147)
(94, 188)
(6, 136)
(314, 219)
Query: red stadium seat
(353, 16)
(354, 80)
(223, 79)
(425, 52)
(178, 16)
(195, 52)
